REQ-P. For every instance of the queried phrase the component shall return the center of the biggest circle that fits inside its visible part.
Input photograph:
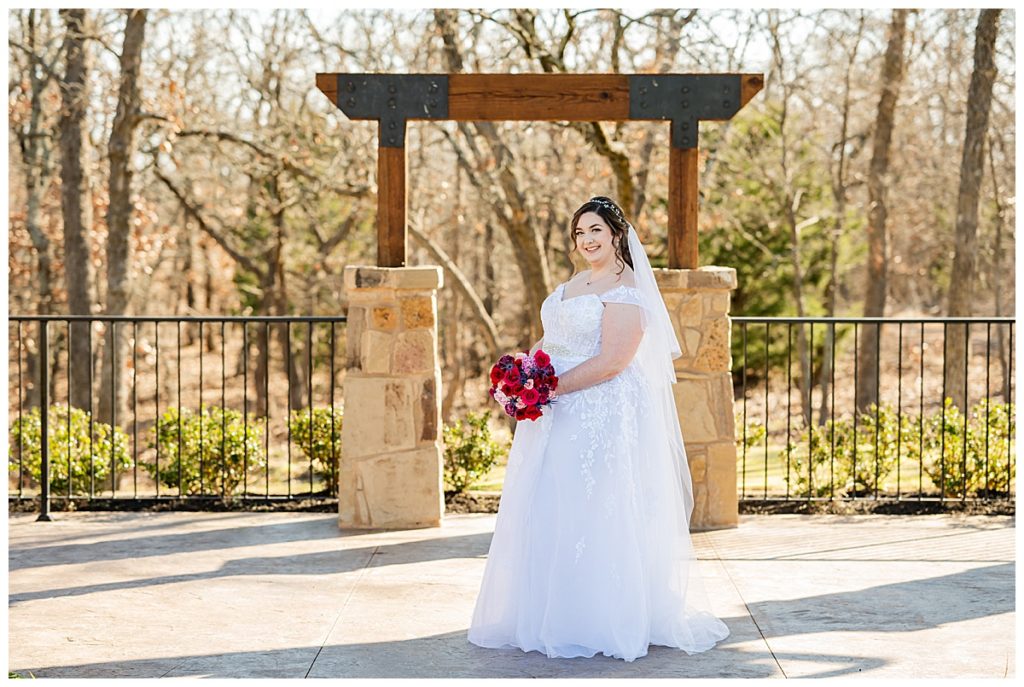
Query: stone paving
(289, 595)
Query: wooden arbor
(683, 99)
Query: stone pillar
(698, 303)
(391, 468)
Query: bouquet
(522, 384)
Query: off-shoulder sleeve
(622, 294)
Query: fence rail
(802, 425)
(306, 350)
(803, 430)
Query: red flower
(529, 396)
(541, 358)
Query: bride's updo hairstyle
(613, 216)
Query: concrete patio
(287, 595)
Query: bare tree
(36, 60)
(840, 192)
(120, 151)
(972, 166)
(76, 201)
(878, 185)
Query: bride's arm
(539, 344)
(621, 332)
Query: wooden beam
(391, 205)
(750, 85)
(538, 97)
(328, 85)
(682, 208)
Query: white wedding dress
(591, 549)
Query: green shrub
(222, 456)
(945, 464)
(89, 461)
(324, 454)
(469, 452)
(755, 433)
(835, 466)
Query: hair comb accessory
(611, 206)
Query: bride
(591, 549)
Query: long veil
(666, 473)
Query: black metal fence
(184, 418)
(807, 431)
(802, 429)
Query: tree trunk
(76, 202)
(36, 144)
(839, 191)
(962, 281)
(878, 181)
(513, 213)
(112, 396)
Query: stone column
(391, 468)
(698, 303)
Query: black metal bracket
(392, 99)
(685, 99)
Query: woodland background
(183, 162)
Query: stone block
(725, 414)
(421, 277)
(392, 490)
(415, 352)
(428, 417)
(417, 311)
(384, 317)
(690, 344)
(723, 502)
(697, 458)
(690, 309)
(376, 352)
(354, 327)
(700, 507)
(705, 277)
(717, 304)
(378, 415)
(714, 353)
(694, 407)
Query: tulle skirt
(591, 549)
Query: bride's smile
(593, 240)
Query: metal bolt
(686, 89)
(725, 103)
(685, 125)
(392, 88)
(643, 90)
(643, 104)
(392, 124)
(392, 103)
(350, 102)
(686, 104)
(391, 140)
(350, 86)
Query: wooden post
(391, 204)
(682, 208)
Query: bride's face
(593, 238)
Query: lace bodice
(572, 327)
